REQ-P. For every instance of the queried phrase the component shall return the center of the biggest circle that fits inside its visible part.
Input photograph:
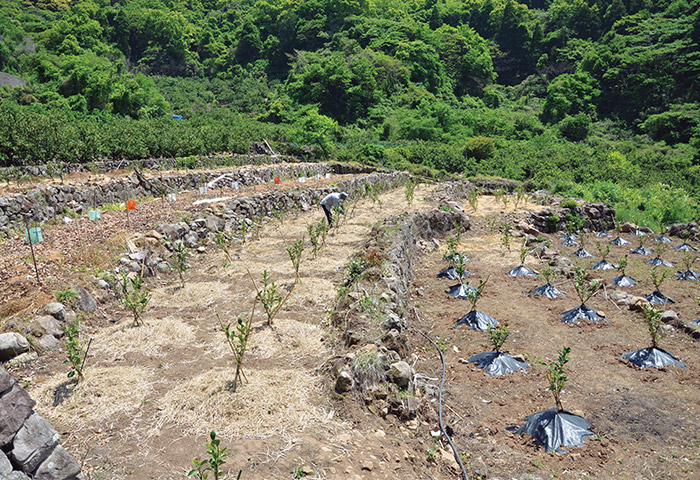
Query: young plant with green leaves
(473, 198)
(585, 288)
(657, 278)
(294, 253)
(660, 249)
(237, 338)
(556, 376)
(460, 266)
(500, 195)
(313, 239)
(410, 187)
(506, 229)
(66, 296)
(269, 296)
(689, 260)
(549, 274)
(520, 194)
(451, 251)
(322, 231)
(653, 319)
(223, 241)
(623, 264)
(603, 249)
(135, 296)
(217, 454)
(77, 349)
(498, 335)
(475, 294)
(573, 223)
(523, 252)
(180, 255)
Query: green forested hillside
(599, 98)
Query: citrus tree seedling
(689, 259)
(506, 234)
(660, 249)
(294, 253)
(237, 339)
(556, 376)
(523, 252)
(313, 239)
(410, 188)
(213, 465)
(603, 250)
(585, 288)
(475, 294)
(77, 350)
(653, 319)
(473, 198)
(657, 279)
(498, 335)
(269, 296)
(623, 264)
(223, 241)
(520, 194)
(135, 296)
(180, 260)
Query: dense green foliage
(597, 97)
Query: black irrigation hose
(442, 383)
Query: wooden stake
(31, 246)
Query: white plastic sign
(302, 179)
(171, 197)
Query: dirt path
(152, 394)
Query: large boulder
(33, 443)
(59, 466)
(56, 310)
(12, 344)
(15, 407)
(85, 301)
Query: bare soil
(645, 420)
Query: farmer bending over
(330, 201)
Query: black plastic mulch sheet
(638, 233)
(655, 262)
(451, 273)
(456, 258)
(602, 234)
(684, 247)
(583, 253)
(619, 241)
(687, 275)
(582, 311)
(477, 321)
(569, 243)
(603, 265)
(658, 298)
(556, 429)
(641, 251)
(652, 357)
(461, 290)
(522, 271)
(569, 237)
(663, 239)
(696, 321)
(498, 363)
(624, 281)
(547, 290)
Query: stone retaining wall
(229, 217)
(194, 161)
(45, 203)
(29, 445)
